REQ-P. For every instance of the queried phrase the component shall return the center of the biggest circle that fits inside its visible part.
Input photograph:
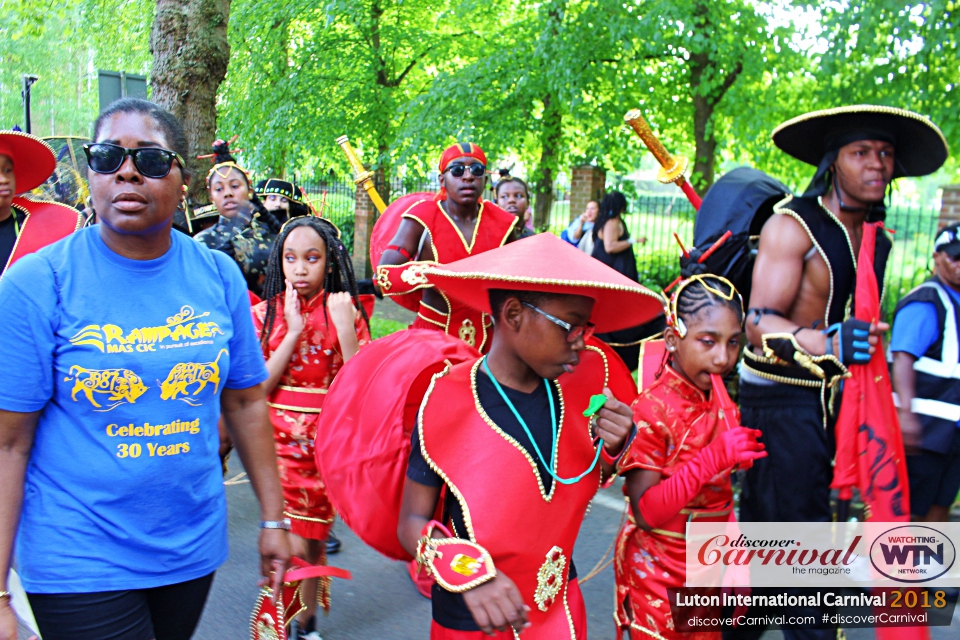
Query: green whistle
(596, 402)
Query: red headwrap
(459, 150)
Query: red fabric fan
(384, 231)
(363, 437)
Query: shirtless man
(453, 225)
(804, 278)
(801, 333)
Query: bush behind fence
(657, 217)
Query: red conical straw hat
(33, 159)
(546, 263)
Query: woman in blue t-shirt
(122, 347)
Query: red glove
(663, 501)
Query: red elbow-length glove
(663, 501)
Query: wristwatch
(276, 524)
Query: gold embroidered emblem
(465, 565)
(413, 275)
(383, 279)
(468, 332)
(185, 374)
(266, 628)
(119, 385)
(550, 579)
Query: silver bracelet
(6, 594)
(276, 524)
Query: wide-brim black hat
(920, 146)
(275, 187)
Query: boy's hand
(497, 605)
(614, 423)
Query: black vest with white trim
(937, 387)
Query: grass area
(380, 327)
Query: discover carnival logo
(822, 554)
(912, 553)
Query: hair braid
(695, 297)
(339, 271)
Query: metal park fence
(656, 217)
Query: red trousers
(578, 611)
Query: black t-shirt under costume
(8, 235)
(449, 609)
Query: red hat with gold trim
(547, 264)
(33, 159)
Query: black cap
(948, 241)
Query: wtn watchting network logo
(912, 553)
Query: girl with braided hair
(245, 229)
(678, 467)
(311, 321)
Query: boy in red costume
(502, 556)
(678, 467)
(453, 225)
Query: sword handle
(639, 124)
(671, 168)
(361, 176)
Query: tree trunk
(190, 56)
(704, 164)
(551, 138)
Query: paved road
(380, 601)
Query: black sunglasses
(151, 162)
(476, 169)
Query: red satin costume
(675, 421)
(295, 406)
(528, 532)
(493, 228)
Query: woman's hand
(274, 558)
(8, 621)
(291, 310)
(497, 605)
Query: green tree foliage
(902, 55)
(302, 75)
(64, 44)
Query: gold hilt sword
(671, 167)
(361, 176)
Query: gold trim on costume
(467, 520)
(294, 516)
(436, 252)
(27, 214)
(503, 434)
(289, 407)
(478, 275)
(476, 226)
(300, 389)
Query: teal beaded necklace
(553, 423)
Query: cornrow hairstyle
(339, 267)
(509, 179)
(699, 292)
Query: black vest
(830, 239)
(937, 400)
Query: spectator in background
(925, 356)
(613, 246)
(580, 231)
(513, 196)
